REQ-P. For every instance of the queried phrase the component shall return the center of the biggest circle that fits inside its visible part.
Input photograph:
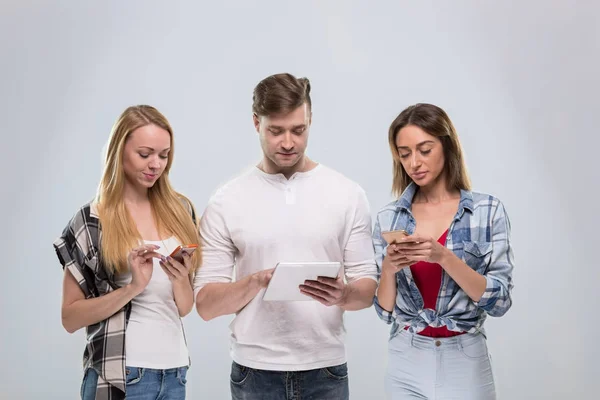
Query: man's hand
(262, 278)
(327, 291)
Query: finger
(174, 272)
(145, 248)
(320, 285)
(187, 262)
(320, 299)
(413, 245)
(151, 254)
(333, 282)
(423, 253)
(413, 239)
(397, 256)
(418, 258)
(167, 271)
(317, 292)
(176, 264)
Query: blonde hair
(119, 231)
(434, 121)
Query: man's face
(284, 137)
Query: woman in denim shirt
(451, 269)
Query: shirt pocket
(477, 255)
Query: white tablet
(288, 276)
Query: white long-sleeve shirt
(259, 219)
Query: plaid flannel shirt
(78, 249)
(480, 236)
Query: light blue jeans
(143, 384)
(421, 367)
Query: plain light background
(519, 79)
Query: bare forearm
(386, 291)
(216, 299)
(472, 283)
(86, 312)
(184, 297)
(359, 294)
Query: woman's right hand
(141, 265)
(393, 261)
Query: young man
(287, 209)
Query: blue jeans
(421, 367)
(143, 384)
(329, 383)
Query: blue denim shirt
(480, 236)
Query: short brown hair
(280, 94)
(433, 120)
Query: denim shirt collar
(405, 200)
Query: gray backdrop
(519, 79)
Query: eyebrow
(151, 149)
(418, 145)
(282, 128)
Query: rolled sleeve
(496, 299)
(73, 251)
(380, 247)
(359, 260)
(218, 250)
(385, 315)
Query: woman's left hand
(177, 272)
(421, 248)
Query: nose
(154, 163)
(415, 160)
(287, 143)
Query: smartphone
(177, 254)
(394, 236)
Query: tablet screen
(288, 276)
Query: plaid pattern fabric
(480, 236)
(78, 249)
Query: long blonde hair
(119, 231)
(433, 120)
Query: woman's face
(145, 155)
(421, 155)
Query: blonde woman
(450, 268)
(119, 282)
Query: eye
(164, 157)
(143, 155)
(404, 155)
(299, 131)
(274, 132)
(425, 152)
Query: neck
(303, 165)
(436, 192)
(135, 195)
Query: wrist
(133, 290)
(446, 256)
(182, 283)
(345, 294)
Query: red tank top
(428, 278)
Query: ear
(256, 120)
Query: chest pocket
(477, 255)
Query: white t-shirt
(260, 219)
(154, 336)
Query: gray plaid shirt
(78, 249)
(480, 236)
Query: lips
(419, 175)
(150, 177)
